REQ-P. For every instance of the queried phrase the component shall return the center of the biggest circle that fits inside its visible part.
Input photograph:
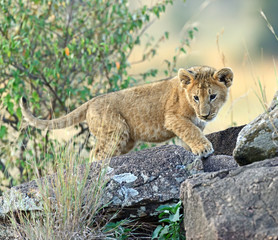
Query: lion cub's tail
(76, 116)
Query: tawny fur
(153, 112)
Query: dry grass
(260, 90)
(224, 62)
(71, 202)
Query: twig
(6, 173)
(21, 154)
(54, 93)
(140, 34)
(10, 122)
(147, 55)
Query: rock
(137, 183)
(258, 140)
(233, 204)
(224, 141)
(219, 162)
(146, 179)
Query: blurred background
(230, 33)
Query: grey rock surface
(137, 183)
(224, 141)
(152, 177)
(258, 140)
(219, 162)
(146, 179)
(233, 204)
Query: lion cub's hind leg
(111, 132)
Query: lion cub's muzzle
(205, 117)
(210, 116)
(204, 113)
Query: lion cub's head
(206, 89)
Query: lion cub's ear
(185, 77)
(224, 75)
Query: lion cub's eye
(196, 98)
(212, 97)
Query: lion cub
(153, 112)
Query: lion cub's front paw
(203, 149)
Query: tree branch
(54, 93)
(140, 34)
(41, 76)
(10, 122)
(6, 173)
(68, 23)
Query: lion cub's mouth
(207, 118)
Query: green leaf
(177, 206)
(10, 107)
(163, 207)
(165, 230)
(157, 231)
(35, 96)
(175, 217)
(3, 131)
(190, 33)
(182, 49)
(167, 220)
(165, 212)
(18, 113)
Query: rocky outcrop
(233, 204)
(258, 140)
(145, 177)
(137, 183)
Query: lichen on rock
(258, 140)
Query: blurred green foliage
(57, 50)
